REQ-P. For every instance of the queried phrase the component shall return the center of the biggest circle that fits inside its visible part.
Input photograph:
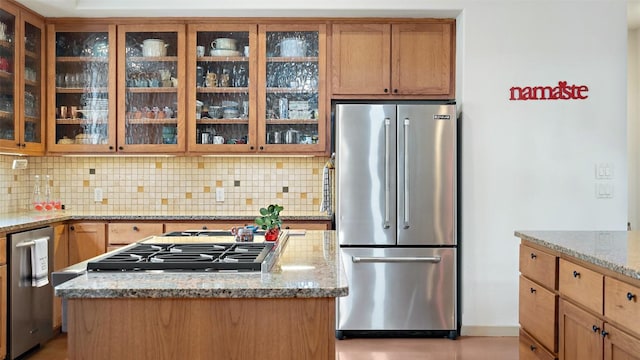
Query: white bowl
(224, 52)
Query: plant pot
(271, 235)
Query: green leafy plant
(270, 217)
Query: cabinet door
(538, 313)
(151, 88)
(580, 337)
(222, 109)
(32, 101)
(292, 96)
(423, 59)
(619, 345)
(530, 349)
(86, 240)
(81, 83)
(360, 59)
(9, 89)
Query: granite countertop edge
(22, 221)
(604, 263)
(203, 293)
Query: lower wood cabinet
(3, 310)
(60, 261)
(580, 334)
(120, 234)
(619, 345)
(86, 240)
(530, 349)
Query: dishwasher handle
(396, 259)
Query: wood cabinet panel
(530, 349)
(60, 261)
(619, 345)
(170, 227)
(582, 285)
(539, 266)
(3, 310)
(3, 249)
(538, 312)
(423, 59)
(86, 240)
(319, 225)
(621, 303)
(127, 233)
(361, 58)
(580, 337)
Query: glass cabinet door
(220, 69)
(292, 113)
(33, 100)
(83, 103)
(8, 82)
(151, 75)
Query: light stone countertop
(618, 251)
(12, 222)
(309, 266)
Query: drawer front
(530, 349)
(581, 285)
(170, 227)
(539, 266)
(3, 249)
(538, 310)
(127, 233)
(621, 303)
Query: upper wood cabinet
(81, 75)
(22, 128)
(403, 60)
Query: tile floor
(464, 348)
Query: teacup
(218, 139)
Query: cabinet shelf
(30, 54)
(62, 90)
(150, 121)
(71, 59)
(292, 122)
(6, 114)
(6, 44)
(146, 90)
(293, 59)
(31, 119)
(274, 90)
(152, 59)
(222, 121)
(222, 58)
(31, 83)
(80, 122)
(6, 75)
(222, 90)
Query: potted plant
(270, 221)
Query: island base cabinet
(580, 334)
(530, 349)
(220, 328)
(619, 345)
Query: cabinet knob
(533, 255)
(395, 91)
(110, 147)
(261, 147)
(532, 290)
(604, 333)
(630, 296)
(18, 144)
(533, 348)
(595, 328)
(576, 274)
(251, 147)
(120, 148)
(135, 228)
(386, 91)
(72, 227)
(204, 227)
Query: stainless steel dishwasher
(30, 309)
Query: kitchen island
(285, 313)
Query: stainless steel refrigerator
(396, 218)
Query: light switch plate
(219, 194)
(97, 195)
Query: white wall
(525, 165)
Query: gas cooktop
(232, 257)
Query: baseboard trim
(490, 330)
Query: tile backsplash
(168, 185)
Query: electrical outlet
(19, 164)
(97, 195)
(219, 194)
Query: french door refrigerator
(396, 218)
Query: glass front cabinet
(292, 92)
(22, 128)
(223, 76)
(81, 77)
(151, 86)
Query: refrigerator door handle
(406, 174)
(391, 259)
(387, 185)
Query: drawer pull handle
(630, 296)
(604, 333)
(532, 290)
(576, 274)
(135, 228)
(533, 256)
(595, 329)
(204, 227)
(533, 348)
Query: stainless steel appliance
(30, 309)
(396, 218)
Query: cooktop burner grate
(186, 257)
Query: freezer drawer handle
(387, 184)
(391, 259)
